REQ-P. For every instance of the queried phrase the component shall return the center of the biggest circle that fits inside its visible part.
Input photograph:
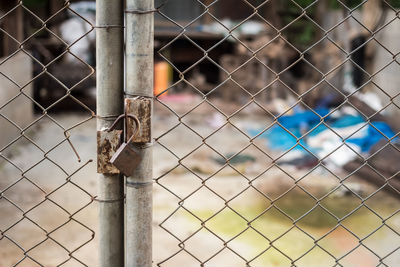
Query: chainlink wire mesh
(46, 171)
(240, 70)
(222, 197)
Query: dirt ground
(203, 207)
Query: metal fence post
(110, 82)
(139, 82)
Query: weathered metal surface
(141, 108)
(126, 159)
(107, 144)
(110, 104)
(139, 82)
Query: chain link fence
(275, 127)
(276, 133)
(46, 184)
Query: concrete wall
(18, 69)
(388, 78)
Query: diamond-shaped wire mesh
(46, 174)
(254, 165)
(276, 138)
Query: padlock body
(126, 159)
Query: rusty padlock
(126, 159)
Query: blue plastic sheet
(287, 133)
(376, 132)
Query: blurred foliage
(354, 3)
(334, 3)
(35, 3)
(302, 32)
(395, 3)
(304, 3)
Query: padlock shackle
(115, 122)
(133, 117)
(137, 127)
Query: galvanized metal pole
(139, 82)
(110, 103)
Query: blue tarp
(375, 133)
(302, 122)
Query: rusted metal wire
(27, 251)
(42, 194)
(138, 11)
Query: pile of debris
(339, 138)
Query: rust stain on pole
(141, 108)
(107, 144)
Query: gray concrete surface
(15, 73)
(202, 203)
